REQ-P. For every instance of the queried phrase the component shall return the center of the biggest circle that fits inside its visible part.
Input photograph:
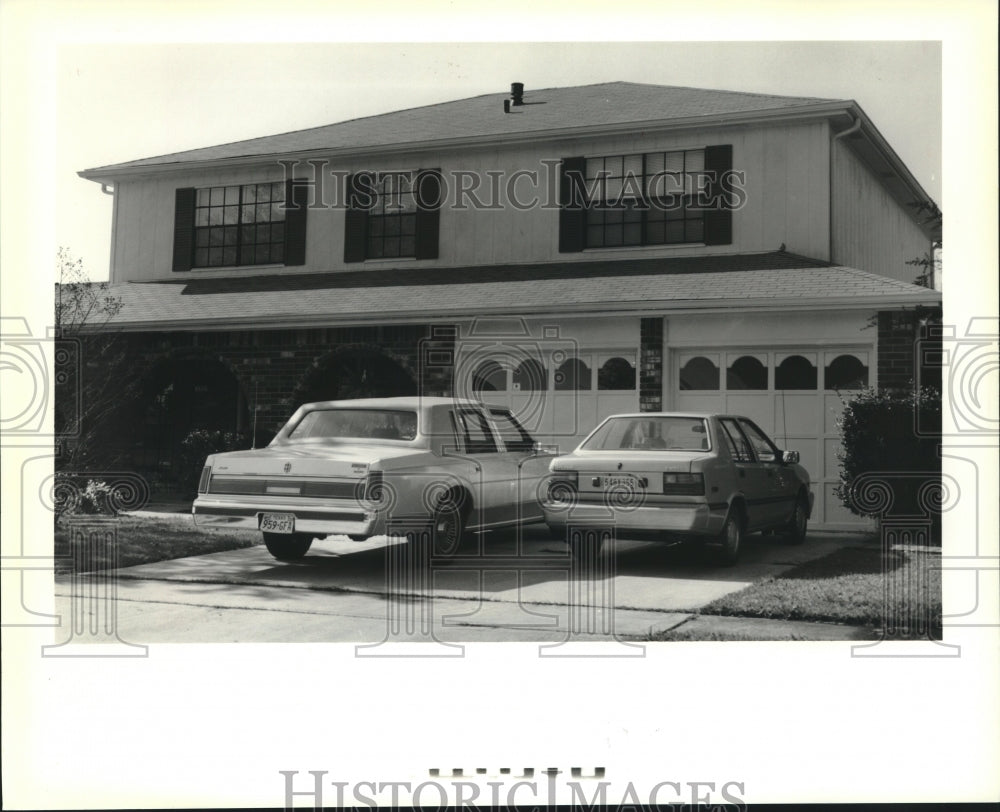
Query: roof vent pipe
(506, 105)
(517, 93)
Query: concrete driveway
(503, 589)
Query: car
(368, 467)
(703, 478)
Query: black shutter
(428, 189)
(183, 229)
(719, 217)
(297, 201)
(572, 213)
(356, 219)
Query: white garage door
(795, 395)
(559, 395)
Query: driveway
(505, 589)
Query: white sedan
(361, 468)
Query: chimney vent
(517, 93)
(506, 105)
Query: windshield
(650, 434)
(365, 424)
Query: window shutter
(355, 221)
(428, 193)
(572, 213)
(183, 229)
(718, 221)
(297, 199)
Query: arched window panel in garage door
(530, 375)
(846, 371)
(699, 373)
(616, 372)
(572, 374)
(795, 372)
(489, 376)
(747, 371)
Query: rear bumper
(322, 519)
(679, 519)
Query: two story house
(570, 252)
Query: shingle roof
(552, 109)
(740, 281)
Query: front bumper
(674, 518)
(349, 518)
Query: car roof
(414, 402)
(701, 415)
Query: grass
(139, 540)
(853, 585)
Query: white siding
(787, 201)
(870, 230)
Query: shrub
(72, 497)
(198, 445)
(879, 436)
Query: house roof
(552, 110)
(774, 281)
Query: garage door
(795, 395)
(558, 395)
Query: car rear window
(650, 434)
(364, 424)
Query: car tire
(730, 540)
(448, 529)
(795, 531)
(287, 547)
(357, 538)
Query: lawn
(139, 540)
(899, 593)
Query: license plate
(277, 522)
(629, 482)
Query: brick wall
(271, 365)
(651, 365)
(903, 343)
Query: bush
(198, 445)
(879, 436)
(71, 497)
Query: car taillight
(683, 484)
(206, 475)
(563, 485)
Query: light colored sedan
(703, 477)
(363, 468)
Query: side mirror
(790, 457)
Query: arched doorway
(179, 396)
(354, 372)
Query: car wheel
(287, 547)
(730, 540)
(795, 532)
(357, 538)
(448, 529)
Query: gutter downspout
(837, 136)
(109, 189)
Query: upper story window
(239, 225)
(246, 224)
(392, 221)
(647, 199)
(654, 198)
(392, 215)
